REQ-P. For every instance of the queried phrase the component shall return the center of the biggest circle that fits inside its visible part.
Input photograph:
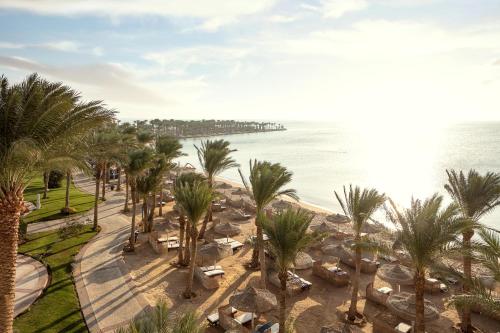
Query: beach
(158, 277)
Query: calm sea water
(402, 161)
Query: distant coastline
(184, 129)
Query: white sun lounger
(215, 272)
(213, 319)
(245, 318)
(210, 268)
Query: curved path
(108, 297)
(31, 279)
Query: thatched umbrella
(403, 305)
(213, 252)
(303, 261)
(336, 251)
(239, 191)
(227, 229)
(281, 204)
(324, 228)
(396, 275)
(337, 218)
(371, 228)
(224, 185)
(254, 300)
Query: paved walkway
(108, 297)
(31, 280)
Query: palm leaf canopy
(359, 205)
(214, 157)
(287, 232)
(139, 161)
(169, 146)
(188, 178)
(194, 200)
(475, 194)
(36, 115)
(426, 230)
(267, 181)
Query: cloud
(214, 13)
(65, 46)
(61, 46)
(8, 45)
(282, 19)
(338, 8)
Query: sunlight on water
(402, 161)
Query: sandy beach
(157, 277)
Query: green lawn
(51, 206)
(58, 309)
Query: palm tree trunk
(355, 287)
(187, 250)
(419, 301)
(119, 180)
(125, 207)
(262, 254)
(208, 216)
(145, 212)
(182, 228)
(10, 206)
(152, 213)
(283, 275)
(189, 287)
(103, 198)
(96, 195)
(45, 184)
(68, 183)
(132, 229)
(160, 199)
(466, 324)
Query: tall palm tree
(487, 253)
(288, 236)
(359, 206)
(426, 230)
(194, 200)
(128, 141)
(185, 178)
(214, 158)
(476, 195)
(139, 162)
(266, 183)
(168, 148)
(44, 114)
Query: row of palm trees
(40, 120)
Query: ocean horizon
(401, 161)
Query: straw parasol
(281, 204)
(324, 228)
(336, 251)
(403, 305)
(254, 300)
(227, 229)
(371, 228)
(213, 252)
(239, 191)
(303, 261)
(224, 185)
(337, 218)
(396, 274)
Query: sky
(330, 60)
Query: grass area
(58, 309)
(51, 207)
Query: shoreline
(304, 204)
(224, 134)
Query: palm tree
(169, 148)
(186, 178)
(157, 320)
(267, 181)
(214, 158)
(425, 231)
(45, 115)
(488, 252)
(194, 200)
(288, 236)
(128, 141)
(359, 206)
(476, 195)
(139, 161)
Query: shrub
(23, 229)
(55, 179)
(68, 211)
(70, 229)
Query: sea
(402, 160)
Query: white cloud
(61, 46)
(337, 8)
(282, 19)
(214, 13)
(64, 45)
(8, 45)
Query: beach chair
(305, 285)
(268, 328)
(378, 296)
(208, 278)
(235, 245)
(331, 273)
(432, 285)
(403, 328)
(213, 319)
(242, 215)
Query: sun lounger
(245, 318)
(210, 268)
(331, 273)
(305, 284)
(379, 295)
(242, 215)
(235, 245)
(254, 238)
(451, 280)
(432, 285)
(268, 328)
(214, 273)
(213, 319)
